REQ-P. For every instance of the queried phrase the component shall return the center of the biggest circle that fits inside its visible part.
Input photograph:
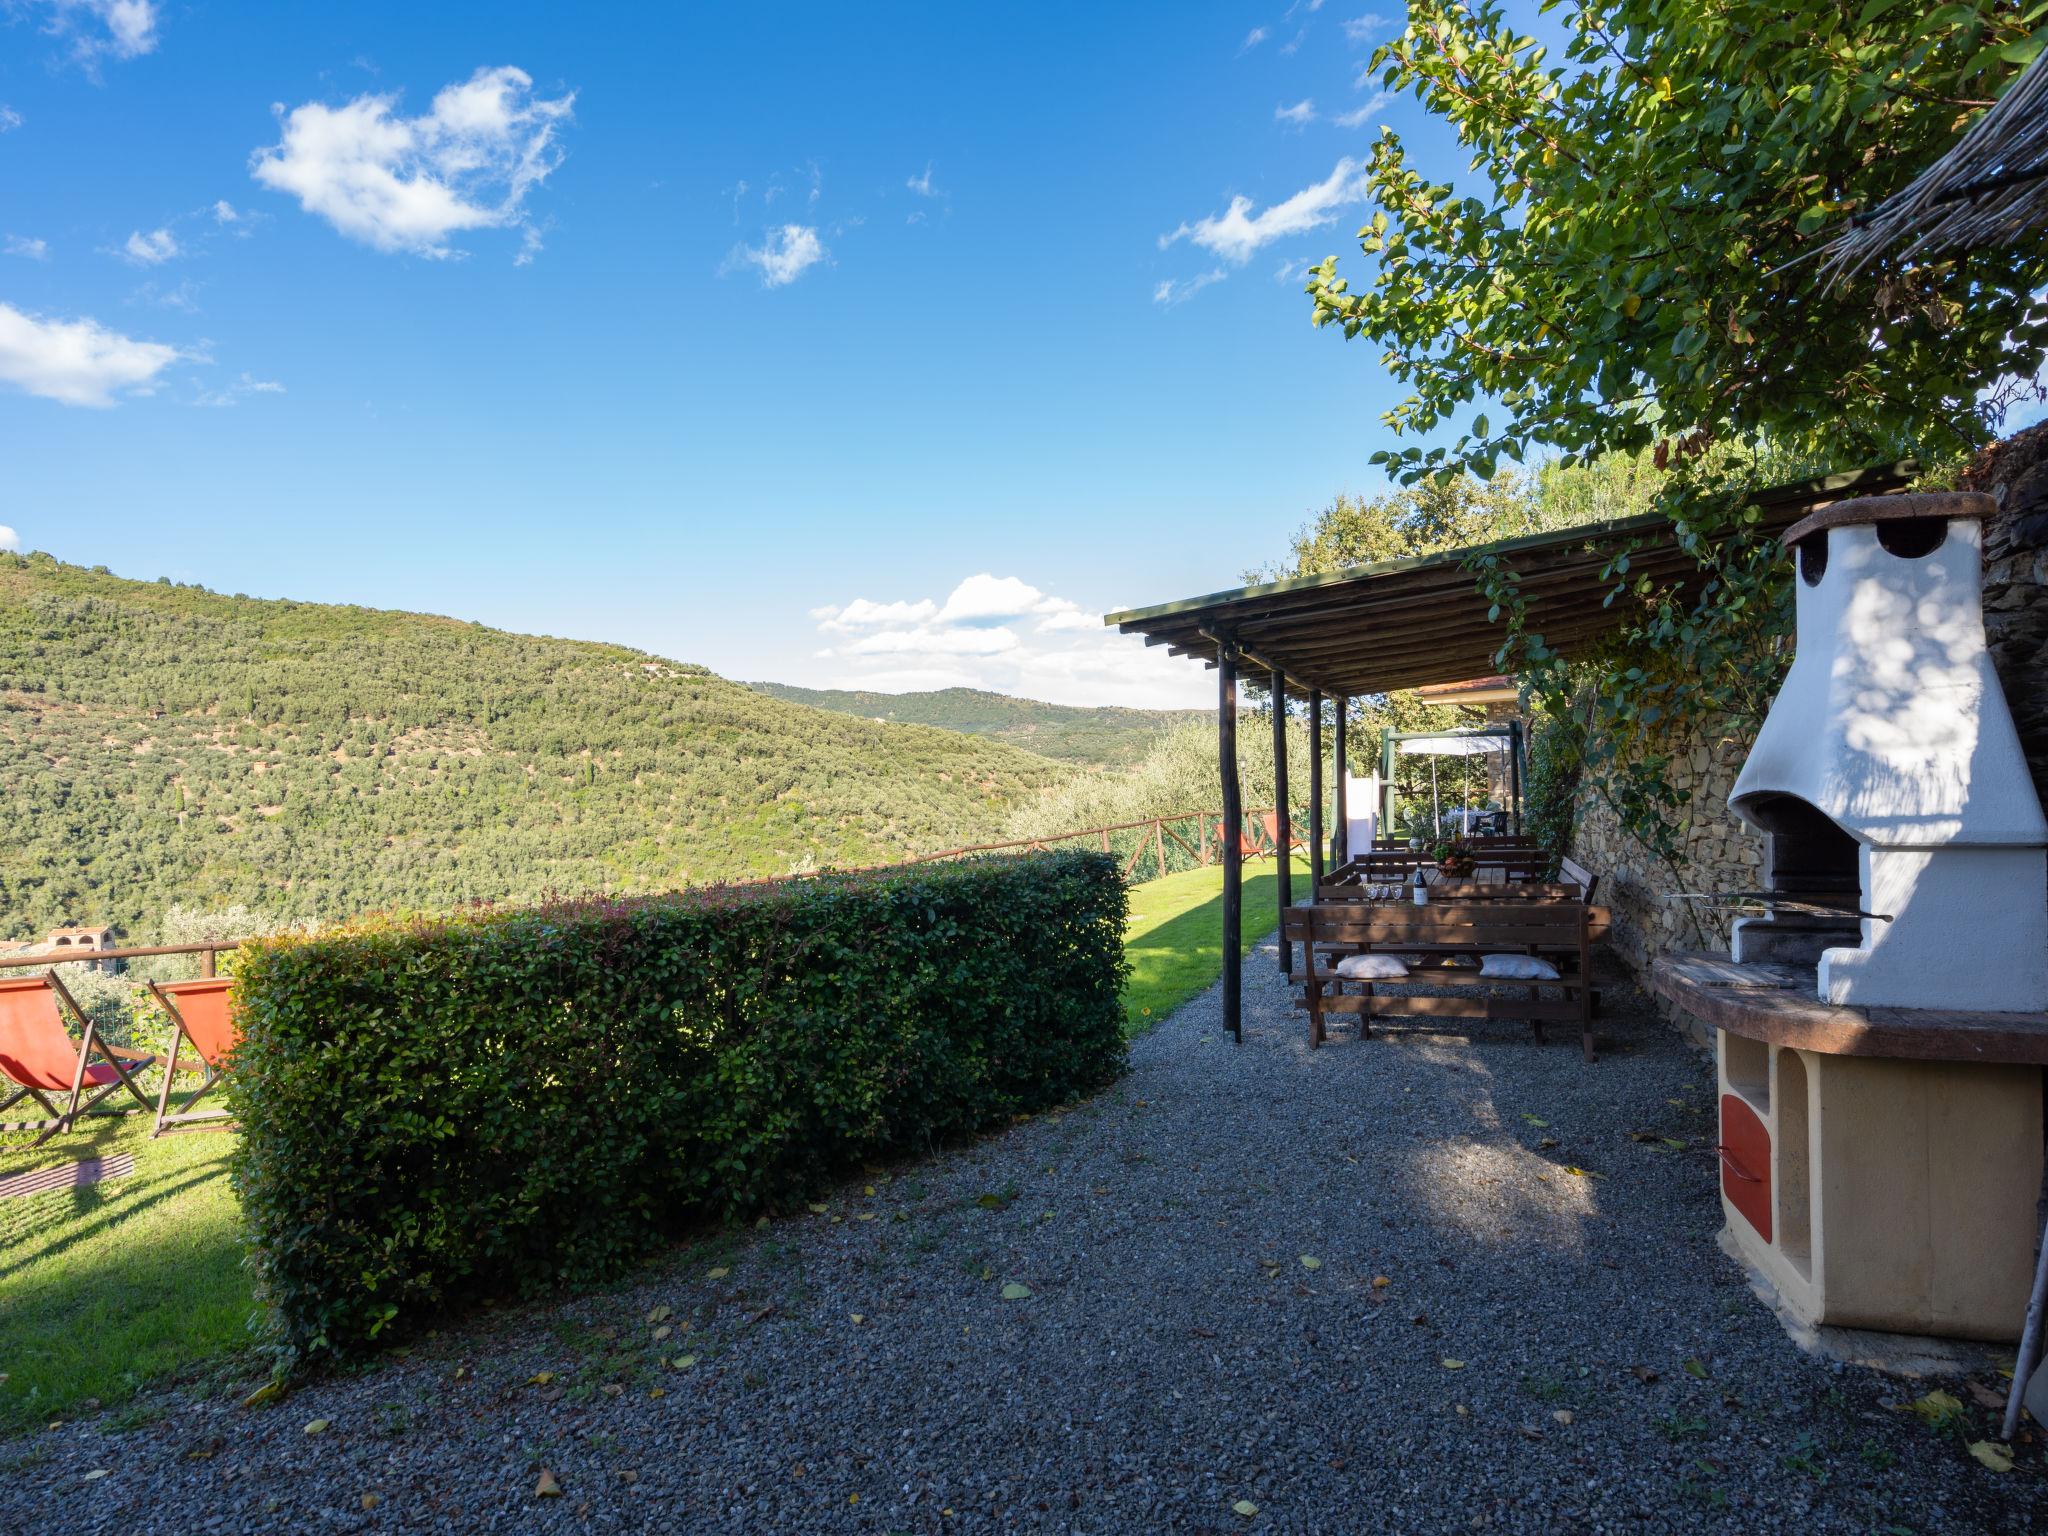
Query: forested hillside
(1095, 738)
(162, 744)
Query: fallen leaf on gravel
(316, 1427)
(269, 1392)
(1454, 1365)
(1462, 1411)
(547, 1487)
(684, 1362)
(817, 1209)
(1644, 1136)
(1997, 1457)
(1674, 1142)
(1530, 1431)
(614, 1389)
(658, 1314)
(662, 1332)
(721, 1271)
(1694, 1368)
(865, 1216)
(1938, 1407)
(1562, 1415)
(987, 1273)
(1546, 1143)
(540, 1378)
(1380, 1282)
(628, 1475)
(1985, 1397)
(1245, 1507)
(1541, 1125)
(372, 1500)
(867, 1189)
(1015, 1292)
(858, 1317)
(1309, 1263)
(99, 1472)
(1203, 1333)
(1582, 1173)
(1643, 1374)
(657, 1391)
(990, 1202)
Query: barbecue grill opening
(1807, 858)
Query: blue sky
(910, 335)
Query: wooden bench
(1572, 871)
(1430, 938)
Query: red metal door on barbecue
(1746, 1163)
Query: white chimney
(1888, 774)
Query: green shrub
(497, 1103)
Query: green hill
(164, 744)
(1096, 738)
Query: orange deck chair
(1247, 845)
(1270, 821)
(39, 1058)
(198, 1011)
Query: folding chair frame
(74, 1110)
(186, 1115)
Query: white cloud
(125, 29)
(1358, 117)
(922, 185)
(23, 246)
(77, 362)
(150, 250)
(861, 614)
(1004, 634)
(10, 119)
(1253, 38)
(783, 257)
(1236, 233)
(224, 212)
(1300, 115)
(408, 184)
(1171, 291)
(184, 297)
(238, 391)
(1363, 29)
(9, 540)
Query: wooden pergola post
(1283, 827)
(1343, 763)
(1315, 789)
(1233, 839)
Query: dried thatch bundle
(1990, 189)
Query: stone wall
(2016, 583)
(1722, 855)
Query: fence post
(206, 963)
(1105, 839)
(1159, 845)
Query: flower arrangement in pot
(1455, 857)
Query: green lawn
(1175, 939)
(105, 1287)
(141, 1278)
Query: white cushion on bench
(1371, 968)
(1518, 968)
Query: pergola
(1395, 624)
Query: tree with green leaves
(1631, 263)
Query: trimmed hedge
(434, 1112)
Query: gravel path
(1365, 1289)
